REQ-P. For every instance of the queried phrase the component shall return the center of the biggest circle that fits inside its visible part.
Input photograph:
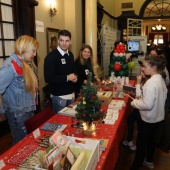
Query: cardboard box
(105, 97)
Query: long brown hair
(80, 57)
(158, 61)
(22, 45)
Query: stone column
(91, 31)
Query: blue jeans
(16, 121)
(58, 103)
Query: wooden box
(105, 97)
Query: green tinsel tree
(89, 106)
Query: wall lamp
(53, 9)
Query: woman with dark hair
(154, 51)
(152, 110)
(84, 65)
(135, 115)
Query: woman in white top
(152, 109)
(135, 115)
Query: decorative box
(105, 97)
(88, 144)
(86, 151)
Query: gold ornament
(84, 102)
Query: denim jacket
(12, 87)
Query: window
(157, 9)
(134, 27)
(158, 39)
(7, 31)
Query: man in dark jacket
(59, 72)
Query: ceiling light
(158, 27)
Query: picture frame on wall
(52, 39)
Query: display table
(114, 133)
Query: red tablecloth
(114, 133)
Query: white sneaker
(150, 165)
(130, 144)
(133, 148)
(126, 143)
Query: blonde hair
(80, 57)
(22, 45)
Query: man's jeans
(16, 121)
(59, 103)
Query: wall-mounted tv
(133, 46)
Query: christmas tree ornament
(124, 67)
(111, 66)
(131, 65)
(117, 67)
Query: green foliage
(89, 106)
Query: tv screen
(133, 46)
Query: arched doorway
(156, 17)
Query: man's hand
(72, 77)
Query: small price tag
(2, 164)
(36, 133)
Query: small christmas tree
(89, 106)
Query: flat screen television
(133, 46)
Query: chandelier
(158, 27)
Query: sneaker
(130, 144)
(126, 143)
(133, 148)
(150, 165)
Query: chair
(38, 119)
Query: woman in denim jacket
(18, 86)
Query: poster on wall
(39, 25)
(109, 37)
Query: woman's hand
(139, 79)
(98, 80)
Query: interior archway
(156, 12)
